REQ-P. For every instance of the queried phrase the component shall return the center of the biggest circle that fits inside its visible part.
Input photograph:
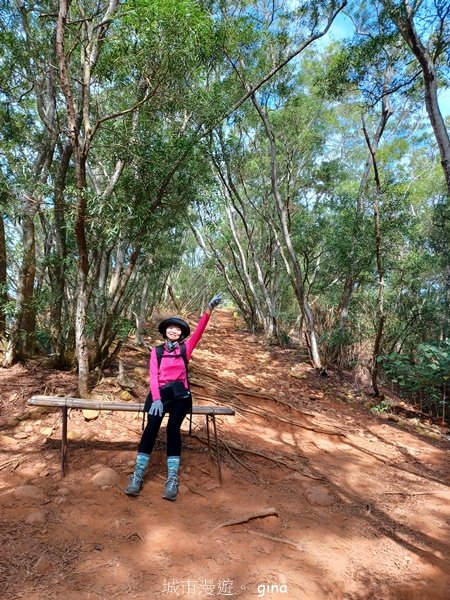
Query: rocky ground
(321, 498)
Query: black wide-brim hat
(185, 329)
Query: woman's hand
(156, 408)
(215, 301)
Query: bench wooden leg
(207, 432)
(63, 440)
(216, 443)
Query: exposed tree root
(415, 493)
(293, 422)
(195, 490)
(274, 538)
(236, 458)
(278, 460)
(11, 463)
(260, 412)
(277, 400)
(208, 380)
(233, 390)
(248, 517)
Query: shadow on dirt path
(360, 506)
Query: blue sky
(343, 28)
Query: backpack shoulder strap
(183, 354)
(186, 362)
(159, 353)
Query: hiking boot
(171, 489)
(136, 481)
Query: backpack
(159, 357)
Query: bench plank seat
(65, 403)
(80, 403)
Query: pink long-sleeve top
(172, 366)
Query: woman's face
(173, 333)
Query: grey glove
(156, 408)
(215, 301)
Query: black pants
(178, 409)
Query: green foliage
(186, 55)
(423, 376)
(381, 408)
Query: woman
(169, 389)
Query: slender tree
(3, 278)
(404, 15)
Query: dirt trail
(362, 504)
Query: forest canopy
(293, 155)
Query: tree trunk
(28, 321)
(106, 333)
(3, 278)
(351, 280)
(245, 270)
(59, 279)
(21, 335)
(92, 37)
(431, 101)
(141, 314)
(222, 270)
(380, 269)
(81, 343)
(297, 277)
(118, 267)
(269, 320)
(404, 20)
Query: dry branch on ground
(268, 512)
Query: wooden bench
(64, 403)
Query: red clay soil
(328, 500)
